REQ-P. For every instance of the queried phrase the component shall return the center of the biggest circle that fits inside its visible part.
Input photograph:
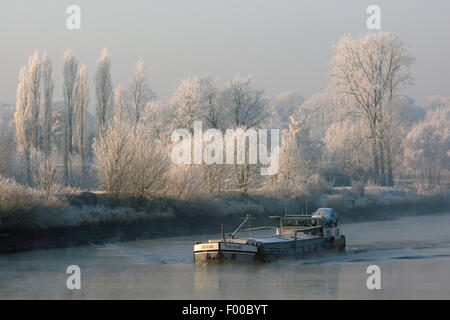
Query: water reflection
(413, 253)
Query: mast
(240, 226)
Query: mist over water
(412, 252)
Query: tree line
(360, 126)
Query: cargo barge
(295, 235)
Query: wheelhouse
(295, 222)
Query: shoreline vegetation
(71, 176)
(30, 221)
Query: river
(413, 254)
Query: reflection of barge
(297, 234)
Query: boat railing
(259, 228)
(301, 230)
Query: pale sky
(282, 44)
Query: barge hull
(220, 251)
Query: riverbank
(78, 218)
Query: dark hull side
(303, 248)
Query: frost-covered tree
(58, 131)
(182, 182)
(427, 146)
(70, 71)
(103, 91)
(346, 147)
(209, 102)
(186, 104)
(125, 168)
(285, 105)
(26, 117)
(139, 94)
(48, 87)
(149, 163)
(213, 176)
(34, 96)
(245, 106)
(318, 113)
(437, 102)
(388, 132)
(198, 99)
(408, 113)
(372, 70)
(161, 117)
(113, 155)
(6, 152)
(121, 104)
(81, 111)
(44, 172)
(22, 121)
(298, 155)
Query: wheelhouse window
(295, 222)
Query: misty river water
(413, 254)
